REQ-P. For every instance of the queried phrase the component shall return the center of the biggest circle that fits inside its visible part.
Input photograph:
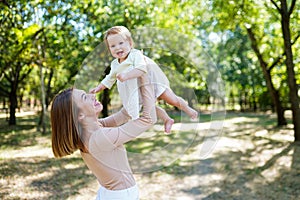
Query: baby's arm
(140, 67)
(134, 73)
(99, 88)
(107, 82)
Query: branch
(278, 60)
(275, 14)
(296, 38)
(255, 48)
(4, 2)
(292, 7)
(3, 91)
(274, 3)
(36, 33)
(25, 46)
(7, 78)
(25, 75)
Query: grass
(252, 156)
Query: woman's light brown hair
(65, 137)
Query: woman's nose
(93, 96)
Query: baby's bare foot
(194, 114)
(168, 125)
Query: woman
(75, 125)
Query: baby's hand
(122, 77)
(94, 90)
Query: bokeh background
(236, 62)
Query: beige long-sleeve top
(107, 157)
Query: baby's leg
(168, 121)
(171, 98)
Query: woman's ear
(81, 116)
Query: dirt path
(248, 163)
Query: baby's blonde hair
(122, 30)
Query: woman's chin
(98, 109)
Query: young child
(128, 65)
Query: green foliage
(17, 51)
(264, 20)
(68, 31)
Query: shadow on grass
(20, 135)
(62, 178)
(179, 117)
(239, 170)
(236, 167)
(161, 150)
(238, 181)
(58, 178)
(242, 176)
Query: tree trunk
(241, 102)
(105, 102)
(48, 91)
(106, 96)
(12, 108)
(43, 101)
(253, 97)
(267, 74)
(293, 93)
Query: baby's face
(119, 47)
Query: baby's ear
(131, 43)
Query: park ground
(251, 159)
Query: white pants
(131, 193)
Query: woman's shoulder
(102, 139)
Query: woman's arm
(115, 119)
(132, 129)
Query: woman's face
(119, 47)
(87, 103)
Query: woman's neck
(91, 125)
(88, 128)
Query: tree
(244, 79)
(285, 13)
(261, 25)
(17, 53)
(266, 68)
